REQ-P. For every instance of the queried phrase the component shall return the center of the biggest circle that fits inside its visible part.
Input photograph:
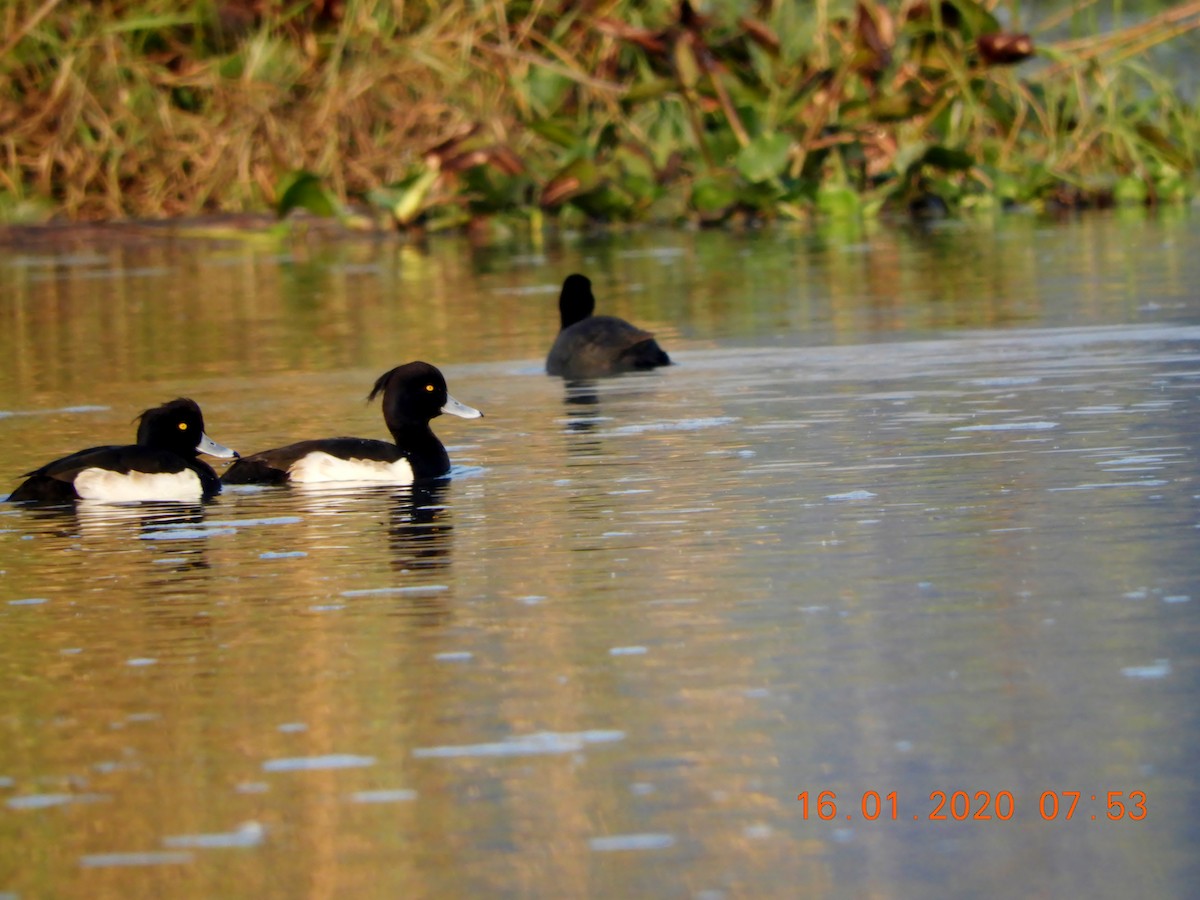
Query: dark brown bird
(591, 346)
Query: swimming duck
(413, 394)
(589, 346)
(162, 465)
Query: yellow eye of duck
(183, 426)
(429, 387)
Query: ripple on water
(185, 534)
(248, 834)
(1009, 426)
(406, 589)
(395, 795)
(1004, 381)
(1092, 486)
(251, 522)
(851, 495)
(643, 841)
(543, 742)
(5, 413)
(314, 763)
(1160, 668)
(45, 801)
(675, 425)
(144, 858)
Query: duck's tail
(646, 355)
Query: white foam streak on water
(248, 834)
(1149, 482)
(1004, 381)
(1160, 668)
(546, 742)
(316, 763)
(186, 534)
(44, 801)
(621, 842)
(144, 858)
(395, 795)
(402, 589)
(677, 425)
(246, 522)
(5, 413)
(1009, 426)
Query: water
(913, 514)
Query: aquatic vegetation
(487, 116)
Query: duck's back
(313, 460)
(118, 473)
(603, 345)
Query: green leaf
(838, 201)
(765, 157)
(406, 199)
(489, 192)
(1130, 191)
(648, 89)
(150, 22)
(556, 131)
(1167, 148)
(607, 203)
(909, 156)
(547, 89)
(1171, 186)
(577, 177)
(29, 210)
(895, 106)
(304, 190)
(713, 195)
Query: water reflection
(584, 414)
(805, 559)
(420, 530)
(173, 533)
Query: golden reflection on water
(958, 629)
(96, 318)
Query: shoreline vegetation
(492, 116)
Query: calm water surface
(915, 513)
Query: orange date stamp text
(977, 806)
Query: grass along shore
(464, 114)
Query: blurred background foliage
(490, 115)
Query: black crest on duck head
(177, 425)
(415, 390)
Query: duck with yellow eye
(413, 395)
(162, 465)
